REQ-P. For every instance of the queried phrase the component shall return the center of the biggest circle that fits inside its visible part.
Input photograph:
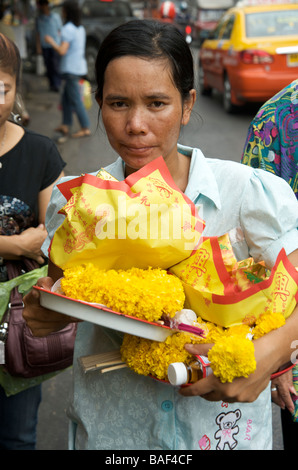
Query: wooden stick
(97, 361)
(109, 369)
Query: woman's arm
(44, 199)
(28, 244)
(61, 49)
(272, 352)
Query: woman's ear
(187, 106)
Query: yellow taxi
(251, 54)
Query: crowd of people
(146, 94)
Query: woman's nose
(136, 122)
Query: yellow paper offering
(143, 221)
(226, 292)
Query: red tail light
(255, 56)
(188, 29)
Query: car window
(228, 28)
(105, 9)
(272, 23)
(215, 34)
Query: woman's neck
(10, 135)
(180, 171)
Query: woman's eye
(118, 104)
(157, 104)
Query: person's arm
(61, 49)
(44, 198)
(282, 390)
(272, 352)
(28, 244)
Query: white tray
(103, 316)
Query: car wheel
(229, 107)
(91, 54)
(203, 89)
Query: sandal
(81, 133)
(63, 129)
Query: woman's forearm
(9, 247)
(60, 48)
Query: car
(99, 17)
(251, 54)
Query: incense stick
(109, 369)
(101, 361)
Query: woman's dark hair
(148, 39)
(10, 60)
(72, 12)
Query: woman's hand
(245, 390)
(281, 389)
(49, 40)
(30, 242)
(41, 320)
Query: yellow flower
(148, 357)
(239, 330)
(231, 357)
(268, 322)
(146, 294)
(150, 294)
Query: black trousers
(289, 430)
(51, 60)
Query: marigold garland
(150, 294)
(147, 357)
(232, 356)
(268, 322)
(146, 294)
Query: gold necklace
(2, 143)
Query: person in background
(272, 144)
(7, 28)
(145, 92)
(272, 138)
(29, 167)
(49, 23)
(73, 67)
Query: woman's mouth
(138, 150)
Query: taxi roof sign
(246, 3)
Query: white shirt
(123, 410)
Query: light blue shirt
(123, 410)
(74, 61)
(49, 25)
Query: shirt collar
(201, 180)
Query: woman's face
(7, 95)
(142, 110)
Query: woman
(29, 167)
(73, 67)
(146, 94)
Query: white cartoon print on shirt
(227, 429)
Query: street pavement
(45, 115)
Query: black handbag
(27, 355)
